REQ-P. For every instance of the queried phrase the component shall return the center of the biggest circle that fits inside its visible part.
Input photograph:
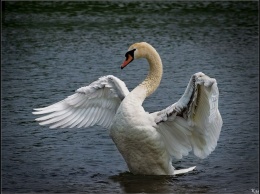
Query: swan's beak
(128, 60)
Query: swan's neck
(153, 79)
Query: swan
(147, 141)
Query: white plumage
(90, 105)
(147, 141)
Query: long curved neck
(153, 79)
(154, 76)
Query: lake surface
(51, 49)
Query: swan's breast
(138, 141)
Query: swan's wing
(193, 122)
(90, 105)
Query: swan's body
(147, 141)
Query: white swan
(147, 141)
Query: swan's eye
(131, 53)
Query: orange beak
(128, 60)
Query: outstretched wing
(95, 104)
(193, 122)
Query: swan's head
(136, 51)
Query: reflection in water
(157, 184)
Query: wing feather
(193, 122)
(69, 120)
(79, 119)
(95, 104)
(91, 117)
(73, 119)
(63, 120)
(94, 117)
(87, 117)
(103, 122)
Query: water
(50, 49)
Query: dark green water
(50, 49)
